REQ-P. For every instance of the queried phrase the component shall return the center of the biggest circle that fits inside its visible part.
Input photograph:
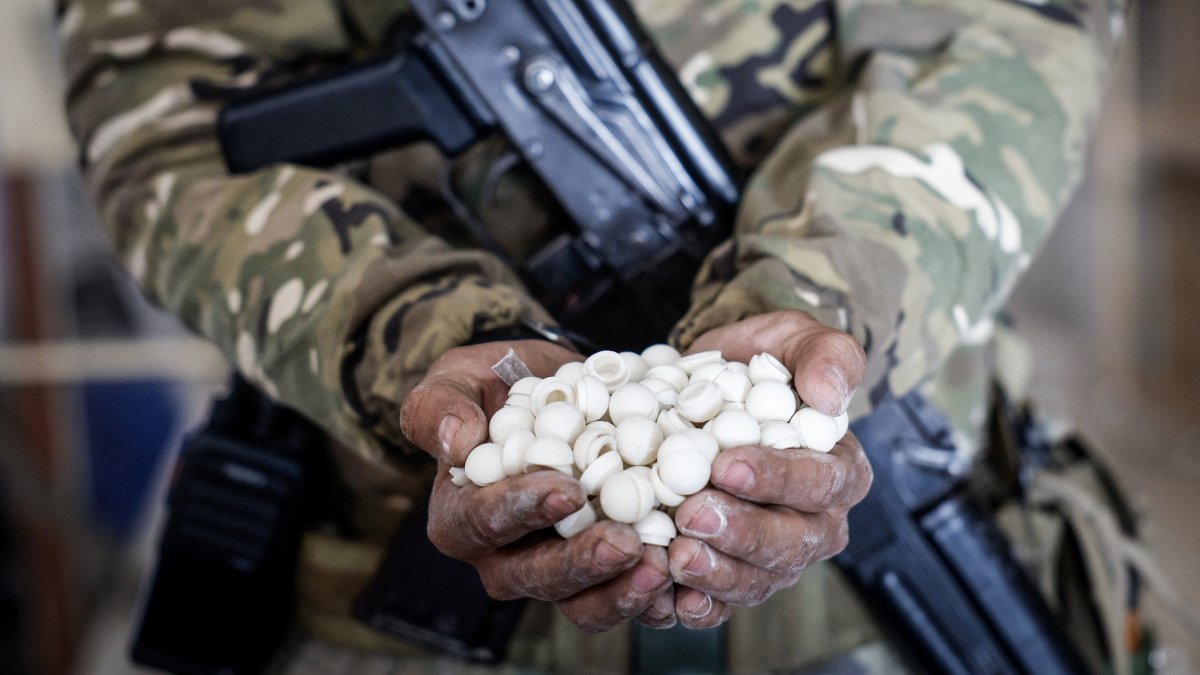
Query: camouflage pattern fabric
(905, 160)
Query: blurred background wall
(96, 388)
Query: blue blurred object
(128, 427)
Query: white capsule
(656, 529)
(459, 477)
(636, 365)
(818, 431)
(691, 362)
(591, 444)
(608, 367)
(656, 385)
(733, 405)
(738, 366)
(843, 424)
(671, 374)
(607, 426)
(591, 397)
(598, 472)
(735, 428)
(644, 473)
(524, 386)
(520, 401)
(632, 400)
(771, 401)
(576, 522)
(551, 390)
(660, 355)
(708, 371)
(664, 494)
(549, 453)
(675, 443)
(638, 439)
(559, 420)
(570, 372)
(734, 384)
(684, 471)
(667, 399)
(483, 465)
(669, 422)
(780, 435)
(508, 419)
(512, 457)
(699, 401)
(766, 368)
(627, 497)
(704, 442)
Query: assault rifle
(585, 99)
(582, 96)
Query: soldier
(906, 158)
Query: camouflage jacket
(905, 160)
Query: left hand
(774, 512)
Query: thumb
(443, 418)
(828, 366)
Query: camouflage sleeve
(905, 210)
(317, 288)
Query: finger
(735, 582)
(697, 610)
(546, 567)
(446, 414)
(466, 520)
(773, 538)
(828, 366)
(741, 340)
(443, 417)
(630, 594)
(661, 613)
(804, 480)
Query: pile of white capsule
(640, 432)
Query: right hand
(600, 578)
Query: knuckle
(630, 603)
(483, 526)
(588, 622)
(759, 594)
(866, 477)
(495, 585)
(831, 482)
(841, 538)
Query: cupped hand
(600, 578)
(772, 512)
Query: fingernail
(608, 554)
(707, 522)
(701, 563)
(447, 430)
(738, 476)
(836, 378)
(701, 610)
(559, 505)
(646, 579)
